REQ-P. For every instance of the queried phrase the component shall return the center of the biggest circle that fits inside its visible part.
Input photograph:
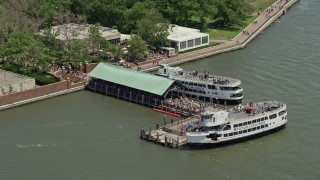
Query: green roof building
(131, 79)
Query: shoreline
(229, 46)
(182, 58)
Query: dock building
(143, 88)
(184, 38)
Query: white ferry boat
(239, 123)
(204, 86)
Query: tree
(77, 52)
(153, 28)
(206, 9)
(95, 36)
(136, 13)
(49, 39)
(117, 52)
(23, 49)
(19, 15)
(233, 11)
(137, 47)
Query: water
(90, 136)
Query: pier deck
(174, 134)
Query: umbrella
(191, 125)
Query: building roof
(131, 78)
(179, 33)
(80, 31)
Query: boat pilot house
(143, 88)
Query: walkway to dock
(268, 16)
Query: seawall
(228, 47)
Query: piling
(142, 135)
(165, 141)
(157, 137)
(177, 145)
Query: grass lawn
(228, 33)
(261, 4)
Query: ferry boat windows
(281, 113)
(262, 126)
(258, 120)
(240, 132)
(225, 135)
(254, 121)
(235, 133)
(249, 122)
(240, 124)
(258, 127)
(236, 125)
(249, 130)
(266, 118)
(227, 127)
(273, 116)
(230, 134)
(266, 125)
(253, 129)
(245, 123)
(244, 131)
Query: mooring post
(142, 133)
(177, 142)
(164, 120)
(171, 121)
(157, 127)
(165, 140)
(157, 137)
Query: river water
(85, 135)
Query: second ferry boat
(205, 86)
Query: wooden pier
(171, 135)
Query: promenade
(267, 17)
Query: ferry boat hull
(234, 141)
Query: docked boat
(205, 86)
(236, 124)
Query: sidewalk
(238, 42)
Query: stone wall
(36, 92)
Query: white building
(71, 31)
(12, 82)
(184, 38)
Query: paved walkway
(240, 40)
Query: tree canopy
(137, 47)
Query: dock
(173, 134)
